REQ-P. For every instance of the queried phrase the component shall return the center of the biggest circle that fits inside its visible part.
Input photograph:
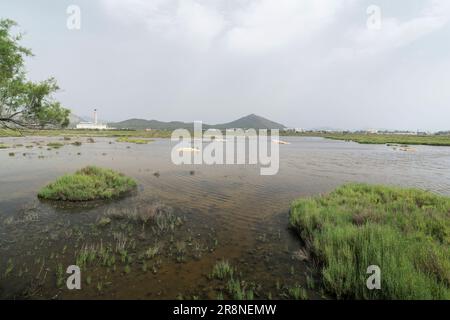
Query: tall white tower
(95, 116)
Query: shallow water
(228, 211)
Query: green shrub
(406, 232)
(89, 183)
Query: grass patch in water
(297, 293)
(55, 145)
(222, 270)
(161, 216)
(406, 232)
(133, 140)
(90, 183)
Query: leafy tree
(24, 103)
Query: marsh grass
(159, 216)
(389, 139)
(239, 290)
(297, 293)
(90, 183)
(152, 251)
(59, 275)
(55, 145)
(9, 268)
(133, 140)
(222, 270)
(406, 232)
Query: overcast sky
(310, 63)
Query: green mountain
(250, 121)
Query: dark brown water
(226, 212)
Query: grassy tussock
(222, 270)
(89, 183)
(133, 140)
(406, 232)
(55, 145)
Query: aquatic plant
(152, 251)
(222, 270)
(89, 183)
(9, 268)
(104, 221)
(159, 216)
(392, 139)
(133, 140)
(297, 293)
(405, 232)
(238, 290)
(55, 145)
(59, 275)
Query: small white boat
(279, 142)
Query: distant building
(296, 130)
(92, 125)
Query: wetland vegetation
(133, 140)
(406, 232)
(194, 233)
(401, 139)
(90, 183)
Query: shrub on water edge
(406, 232)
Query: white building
(92, 125)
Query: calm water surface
(228, 212)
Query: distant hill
(250, 121)
(140, 124)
